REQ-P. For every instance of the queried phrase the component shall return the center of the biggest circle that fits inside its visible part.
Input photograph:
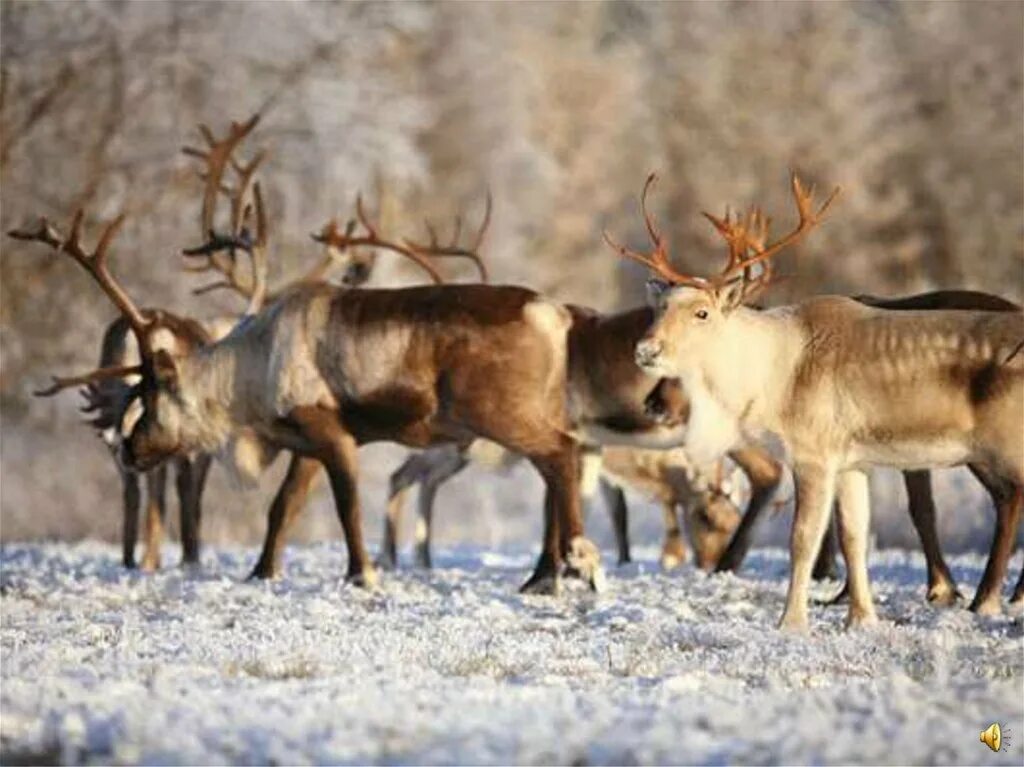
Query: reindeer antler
(94, 263)
(657, 260)
(741, 236)
(101, 374)
(217, 156)
(219, 249)
(349, 238)
(809, 218)
(434, 248)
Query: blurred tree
(560, 109)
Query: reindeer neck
(220, 382)
(754, 364)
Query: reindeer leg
(825, 565)
(835, 528)
(673, 548)
(1007, 498)
(764, 474)
(942, 588)
(1018, 592)
(582, 557)
(156, 507)
(546, 577)
(337, 450)
(289, 501)
(815, 489)
(130, 516)
(563, 522)
(401, 479)
(455, 461)
(855, 512)
(387, 558)
(615, 500)
(200, 473)
(185, 485)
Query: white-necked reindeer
(325, 369)
(846, 387)
(108, 398)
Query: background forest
(561, 109)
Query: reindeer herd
(653, 398)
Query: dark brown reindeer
(325, 369)
(355, 247)
(846, 386)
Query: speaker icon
(995, 737)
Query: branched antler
(452, 248)
(95, 263)
(219, 249)
(657, 260)
(351, 238)
(361, 232)
(745, 239)
(60, 383)
(809, 218)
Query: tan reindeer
(325, 369)
(667, 477)
(846, 387)
(941, 587)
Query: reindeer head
(691, 312)
(710, 526)
(160, 421)
(712, 518)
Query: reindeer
(107, 393)
(358, 254)
(108, 399)
(324, 369)
(664, 476)
(941, 587)
(846, 387)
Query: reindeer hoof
(423, 559)
(669, 562)
(263, 572)
(861, 619)
(150, 565)
(673, 554)
(546, 585)
(989, 607)
(944, 594)
(584, 561)
(364, 579)
(794, 624)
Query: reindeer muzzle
(648, 352)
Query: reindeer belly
(909, 453)
(915, 431)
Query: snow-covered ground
(102, 665)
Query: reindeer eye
(701, 314)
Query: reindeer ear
(165, 369)
(656, 290)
